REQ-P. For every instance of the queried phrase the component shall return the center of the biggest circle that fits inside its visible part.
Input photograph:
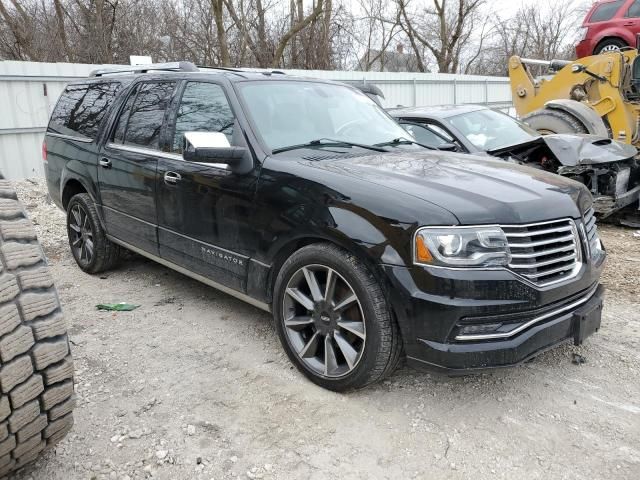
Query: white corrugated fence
(29, 91)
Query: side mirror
(211, 147)
(448, 147)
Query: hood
(574, 150)
(477, 190)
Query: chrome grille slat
(549, 272)
(546, 262)
(539, 232)
(591, 229)
(545, 252)
(540, 243)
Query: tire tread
(36, 369)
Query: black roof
(179, 70)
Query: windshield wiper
(404, 141)
(328, 142)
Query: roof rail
(164, 67)
(264, 71)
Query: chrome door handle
(105, 163)
(172, 178)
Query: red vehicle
(609, 25)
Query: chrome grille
(546, 252)
(591, 231)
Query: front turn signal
(422, 251)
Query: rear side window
(82, 108)
(605, 11)
(142, 117)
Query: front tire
(91, 249)
(333, 319)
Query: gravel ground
(172, 393)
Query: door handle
(105, 163)
(171, 178)
(629, 24)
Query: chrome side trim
(70, 137)
(533, 321)
(158, 153)
(144, 151)
(229, 291)
(262, 264)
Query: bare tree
(443, 29)
(544, 32)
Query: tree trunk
(218, 11)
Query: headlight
(583, 32)
(461, 247)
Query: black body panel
(236, 229)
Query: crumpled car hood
(574, 150)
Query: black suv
(304, 198)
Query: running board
(229, 291)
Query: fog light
(478, 329)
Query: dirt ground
(194, 385)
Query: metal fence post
(486, 91)
(415, 92)
(455, 91)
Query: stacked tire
(36, 369)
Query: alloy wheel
(81, 234)
(324, 321)
(609, 48)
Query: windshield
(489, 130)
(290, 113)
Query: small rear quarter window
(81, 109)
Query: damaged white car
(610, 169)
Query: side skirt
(241, 296)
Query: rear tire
(91, 249)
(548, 120)
(36, 368)
(609, 45)
(355, 345)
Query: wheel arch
(303, 240)
(371, 255)
(612, 35)
(72, 187)
(585, 115)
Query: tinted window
(605, 11)
(634, 10)
(82, 108)
(118, 135)
(424, 135)
(142, 117)
(203, 108)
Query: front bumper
(584, 49)
(432, 306)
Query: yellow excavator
(597, 95)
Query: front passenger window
(634, 10)
(203, 108)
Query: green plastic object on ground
(117, 307)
